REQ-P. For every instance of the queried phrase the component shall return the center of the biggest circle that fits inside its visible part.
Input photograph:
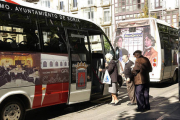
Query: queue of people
(136, 76)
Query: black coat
(113, 71)
(127, 70)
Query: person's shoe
(111, 103)
(130, 104)
(117, 103)
(139, 110)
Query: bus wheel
(12, 110)
(174, 78)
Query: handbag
(107, 78)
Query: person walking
(111, 67)
(141, 71)
(129, 79)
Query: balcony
(105, 3)
(72, 9)
(105, 23)
(93, 4)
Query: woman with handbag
(111, 67)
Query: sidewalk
(162, 108)
(164, 103)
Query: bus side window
(161, 40)
(107, 46)
(18, 34)
(167, 49)
(95, 43)
(53, 40)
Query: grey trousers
(131, 91)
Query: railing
(105, 23)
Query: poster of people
(136, 38)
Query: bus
(157, 40)
(48, 57)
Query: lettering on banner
(16, 8)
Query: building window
(158, 3)
(107, 31)
(61, 5)
(106, 15)
(90, 2)
(65, 64)
(61, 64)
(91, 15)
(89, 12)
(45, 3)
(74, 3)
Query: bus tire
(175, 77)
(12, 109)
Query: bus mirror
(117, 53)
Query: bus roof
(144, 19)
(39, 7)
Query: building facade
(167, 10)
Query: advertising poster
(26, 69)
(136, 38)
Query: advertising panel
(136, 38)
(25, 69)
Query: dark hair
(152, 39)
(137, 51)
(116, 39)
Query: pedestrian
(141, 71)
(111, 67)
(129, 79)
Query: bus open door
(80, 59)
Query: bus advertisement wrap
(25, 69)
(136, 38)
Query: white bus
(157, 40)
(47, 57)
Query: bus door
(80, 59)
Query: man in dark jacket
(141, 80)
(129, 79)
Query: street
(100, 109)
